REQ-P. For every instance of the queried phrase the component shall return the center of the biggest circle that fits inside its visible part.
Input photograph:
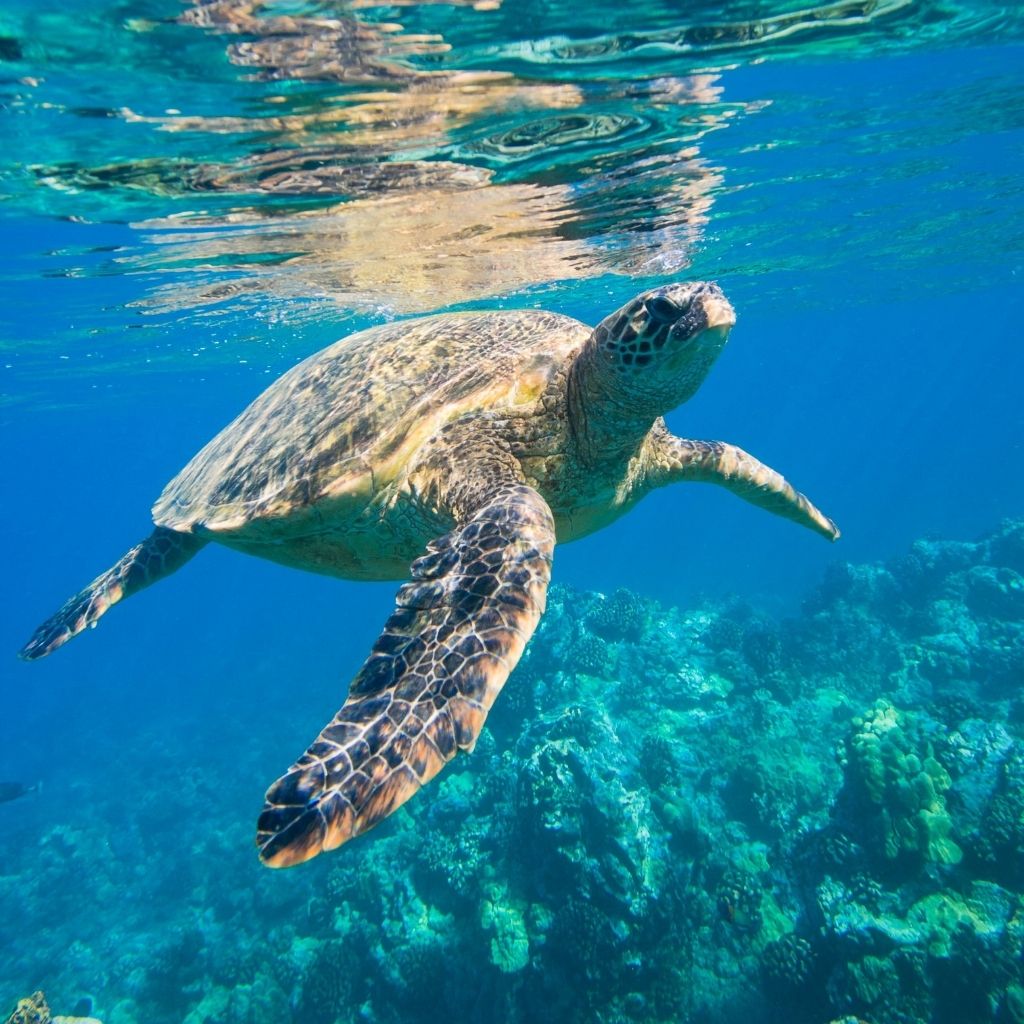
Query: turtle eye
(662, 310)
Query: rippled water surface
(196, 195)
(371, 158)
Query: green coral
(874, 981)
(1013, 1004)
(241, 1004)
(510, 942)
(901, 776)
(937, 917)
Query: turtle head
(659, 347)
(643, 360)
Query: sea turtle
(457, 449)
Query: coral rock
(34, 1010)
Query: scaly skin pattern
(316, 473)
(160, 554)
(678, 459)
(484, 438)
(456, 633)
(345, 422)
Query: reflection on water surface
(406, 157)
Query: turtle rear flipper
(457, 631)
(160, 554)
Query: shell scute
(343, 422)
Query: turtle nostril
(663, 310)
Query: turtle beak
(696, 308)
(717, 310)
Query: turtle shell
(344, 423)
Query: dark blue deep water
(740, 775)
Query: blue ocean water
(199, 195)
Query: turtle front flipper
(160, 554)
(457, 631)
(717, 462)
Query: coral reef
(34, 1010)
(675, 815)
(901, 777)
(787, 963)
(623, 616)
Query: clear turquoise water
(190, 209)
